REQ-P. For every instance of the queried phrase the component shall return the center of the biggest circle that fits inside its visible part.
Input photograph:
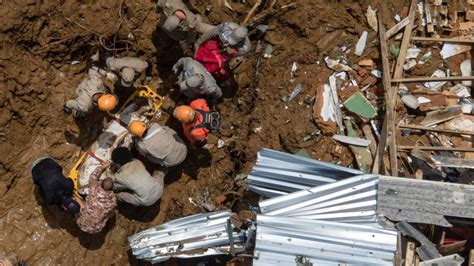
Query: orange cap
(137, 128)
(107, 102)
(184, 113)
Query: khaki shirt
(134, 176)
(87, 88)
(163, 146)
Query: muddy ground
(40, 40)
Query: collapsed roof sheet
(286, 241)
(194, 236)
(278, 173)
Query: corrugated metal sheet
(284, 241)
(352, 200)
(422, 201)
(277, 173)
(193, 236)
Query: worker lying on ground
(232, 37)
(53, 186)
(100, 152)
(158, 144)
(197, 121)
(179, 23)
(90, 93)
(99, 204)
(195, 81)
(132, 182)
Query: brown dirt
(41, 38)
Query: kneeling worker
(99, 205)
(90, 93)
(197, 121)
(133, 182)
(53, 186)
(159, 144)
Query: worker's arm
(94, 177)
(245, 48)
(208, 34)
(180, 64)
(148, 70)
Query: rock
(470, 15)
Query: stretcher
(154, 100)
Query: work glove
(175, 69)
(111, 76)
(66, 109)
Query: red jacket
(211, 57)
(195, 133)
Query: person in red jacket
(197, 121)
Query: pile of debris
(424, 123)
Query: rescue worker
(90, 93)
(194, 80)
(53, 186)
(197, 121)
(129, 69)
(179, 23)
(99, 204)
(159, 144)
(133, 182)
(232, 37)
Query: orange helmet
(137, 128)
(107, 102)
(184, 113)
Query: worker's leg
(130, 198)
(159, 175)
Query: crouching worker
(99, 204)
(53, 186)
(132, 182)
(195, 81)
(197, 121)
(158, 144)
(91, 93)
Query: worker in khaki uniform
(129, 69)
(133, 183)
(232, 37)
(194, 80)
(178, 22)
(159, 144)
(90, 93)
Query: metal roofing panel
(422, 201)
(283, 172)
(193, 236)
(352, 200)
(282, 240)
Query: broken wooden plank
(390, 101)
(423, 79)
(429, 19)
(395, 29)
(435, 148)
(410, 254)
(453, 40)
(471, 258)
(398, 73)
(471, 133)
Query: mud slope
(40, 44)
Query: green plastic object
(360, 106)
(394, 50)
